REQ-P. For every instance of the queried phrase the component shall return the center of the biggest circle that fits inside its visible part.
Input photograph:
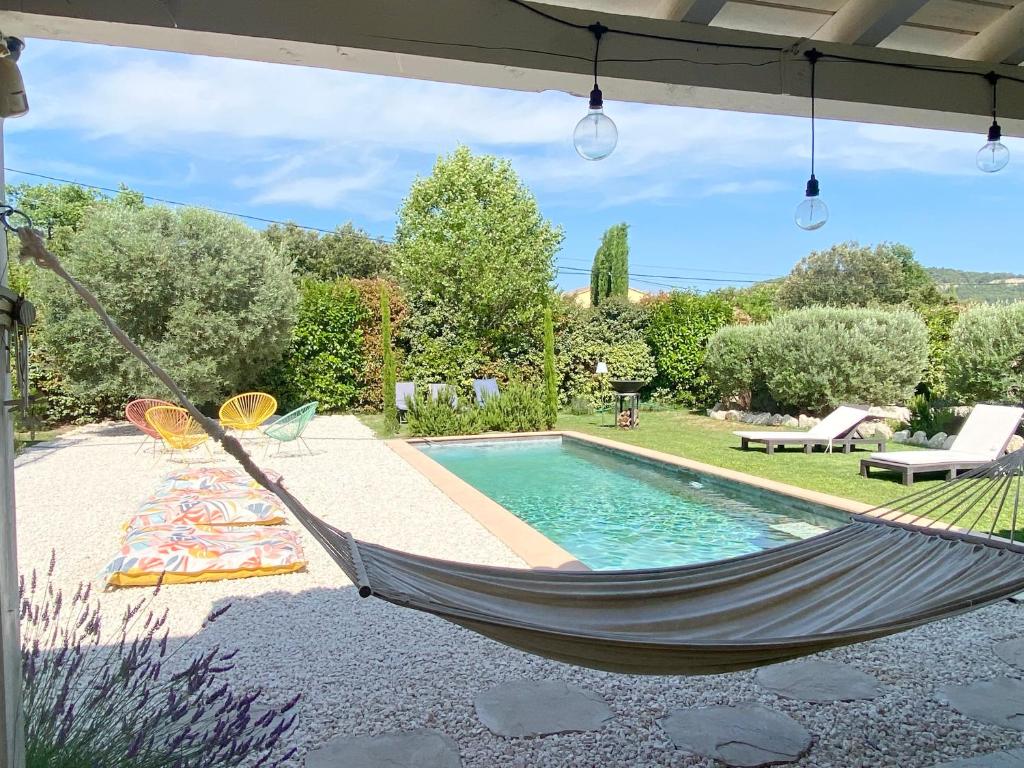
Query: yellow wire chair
(176, 427)
(246, 412)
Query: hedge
(817, 358)
(732, 364)
(680, 327)
(985, 357)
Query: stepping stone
(537, 708)
(818, 681)
(1011, 759)
(997, 702)
(747, 735)
(1011, 651)
(421, 748)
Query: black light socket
(812, 187)
(596, 99)
(995, 133)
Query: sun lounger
(437, 390)
(837, 430)
(405, 391)
(485, 388)
(983, 438)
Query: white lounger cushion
(835, 425)
(920, 458)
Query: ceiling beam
(690, 11)
(501, 44)
(1002, 40)
(867, 22)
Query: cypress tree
(609, 275)
(389, 373)
(550, 382)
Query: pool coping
(533, 547)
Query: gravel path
(366, 667)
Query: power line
(165, 201)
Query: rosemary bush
(129, 698)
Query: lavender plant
(130, 698)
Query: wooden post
(12, 726)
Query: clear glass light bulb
(993, 157)
(595, 136)
(811, 214)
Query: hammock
(903, 566)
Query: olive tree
(204, 294)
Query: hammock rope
(895, 568)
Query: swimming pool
(611, 510)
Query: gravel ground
(366, 667)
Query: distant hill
(979, 286)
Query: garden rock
(902, 436)
(790, 421)
(1015, 444)
(718, 415)
(421, 748)
(918, 438)
(894, 412)
(776, 419)
(1011, 651)
(997, 702)
(937, 440)
(806, 422)
(746, 735)
(540, 707)
(1010, 759)
(818, 681)
(948, 443)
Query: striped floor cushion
(185, 553)
(211, 479)
(237, 505)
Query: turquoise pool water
(612, 511)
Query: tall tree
(550, 377)
(345, 252)
(852, 275)
(475, 260)
(609, 275)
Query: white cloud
(325, 139)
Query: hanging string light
(812, 213)
(994, 155)
(595, 136)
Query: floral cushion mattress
(187, 553)
(236, 505)
(211, 479)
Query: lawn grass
(25, 439)
(700, 438)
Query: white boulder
(948, 444)
(1015, 444)
(902, 436)
(806, 422)
(790, 421)
(918, 438)
(894, 412)
(776, 419)
(717, 415)
(937, 440)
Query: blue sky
(707, 194)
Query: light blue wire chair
(290, 427)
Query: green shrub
(985, 359)
(518, 408)
(940, 319)
(680, 327)
(371, 377)
(430, 417)
(581, 406)
(732, 365)
(201, 292)
(388, 376)
(550, 377)
(814, 359)
(926, 417)
(325, 359)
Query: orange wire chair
(176, 427)
(248, 411)
(135, 412)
